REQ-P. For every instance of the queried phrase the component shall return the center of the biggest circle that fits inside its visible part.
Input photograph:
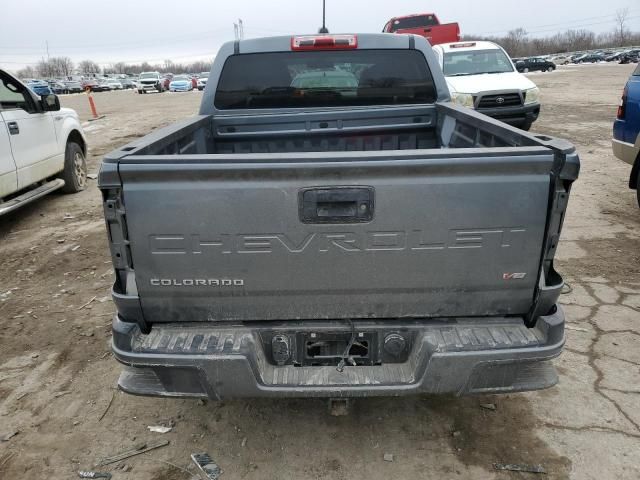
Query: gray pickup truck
(331, 225)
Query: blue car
(180, 83)
(39, 87)
(626, 129)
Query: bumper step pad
(454, 356)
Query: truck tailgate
(443, 233)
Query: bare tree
(88, 67)
(622, 18)
(26, 72)
(63, 66)
(120, 67)
(515, 41)
(46, 69)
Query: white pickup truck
(480, 75)
(42, 146)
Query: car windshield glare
(475, 62)
(148, 75)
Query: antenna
(323, 28)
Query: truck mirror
(50, 103)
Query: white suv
(481, 75)
(150, 82)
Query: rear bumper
(463, 356)
(627, 152)
(516, 116)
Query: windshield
(413, 22)
(325, 79)
(148, 75)
(474, 62)
(180, 78)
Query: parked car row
(549, 63)
(156, 82)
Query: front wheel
(525, 70)
(75, 169)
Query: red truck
(426, 25)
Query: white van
(481, 75)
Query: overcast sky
(108, 31)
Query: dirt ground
(57, 376)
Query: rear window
(324, 78)
(413, 22)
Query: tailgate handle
(336, 205)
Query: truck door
(8, 176)
(32, 134)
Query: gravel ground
(57, 377)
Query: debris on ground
(87, 304)
(137, 450)
(92, 176)
(455, 434)
(8, 436)
(206, 465)
(159, 429)
(61, 394)
(244, 442)
(388, 457)
(113, 395)
(488, 406)
(88, 474)
(577, 329)
(520, 467)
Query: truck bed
(248, 218)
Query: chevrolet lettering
(415, 240)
